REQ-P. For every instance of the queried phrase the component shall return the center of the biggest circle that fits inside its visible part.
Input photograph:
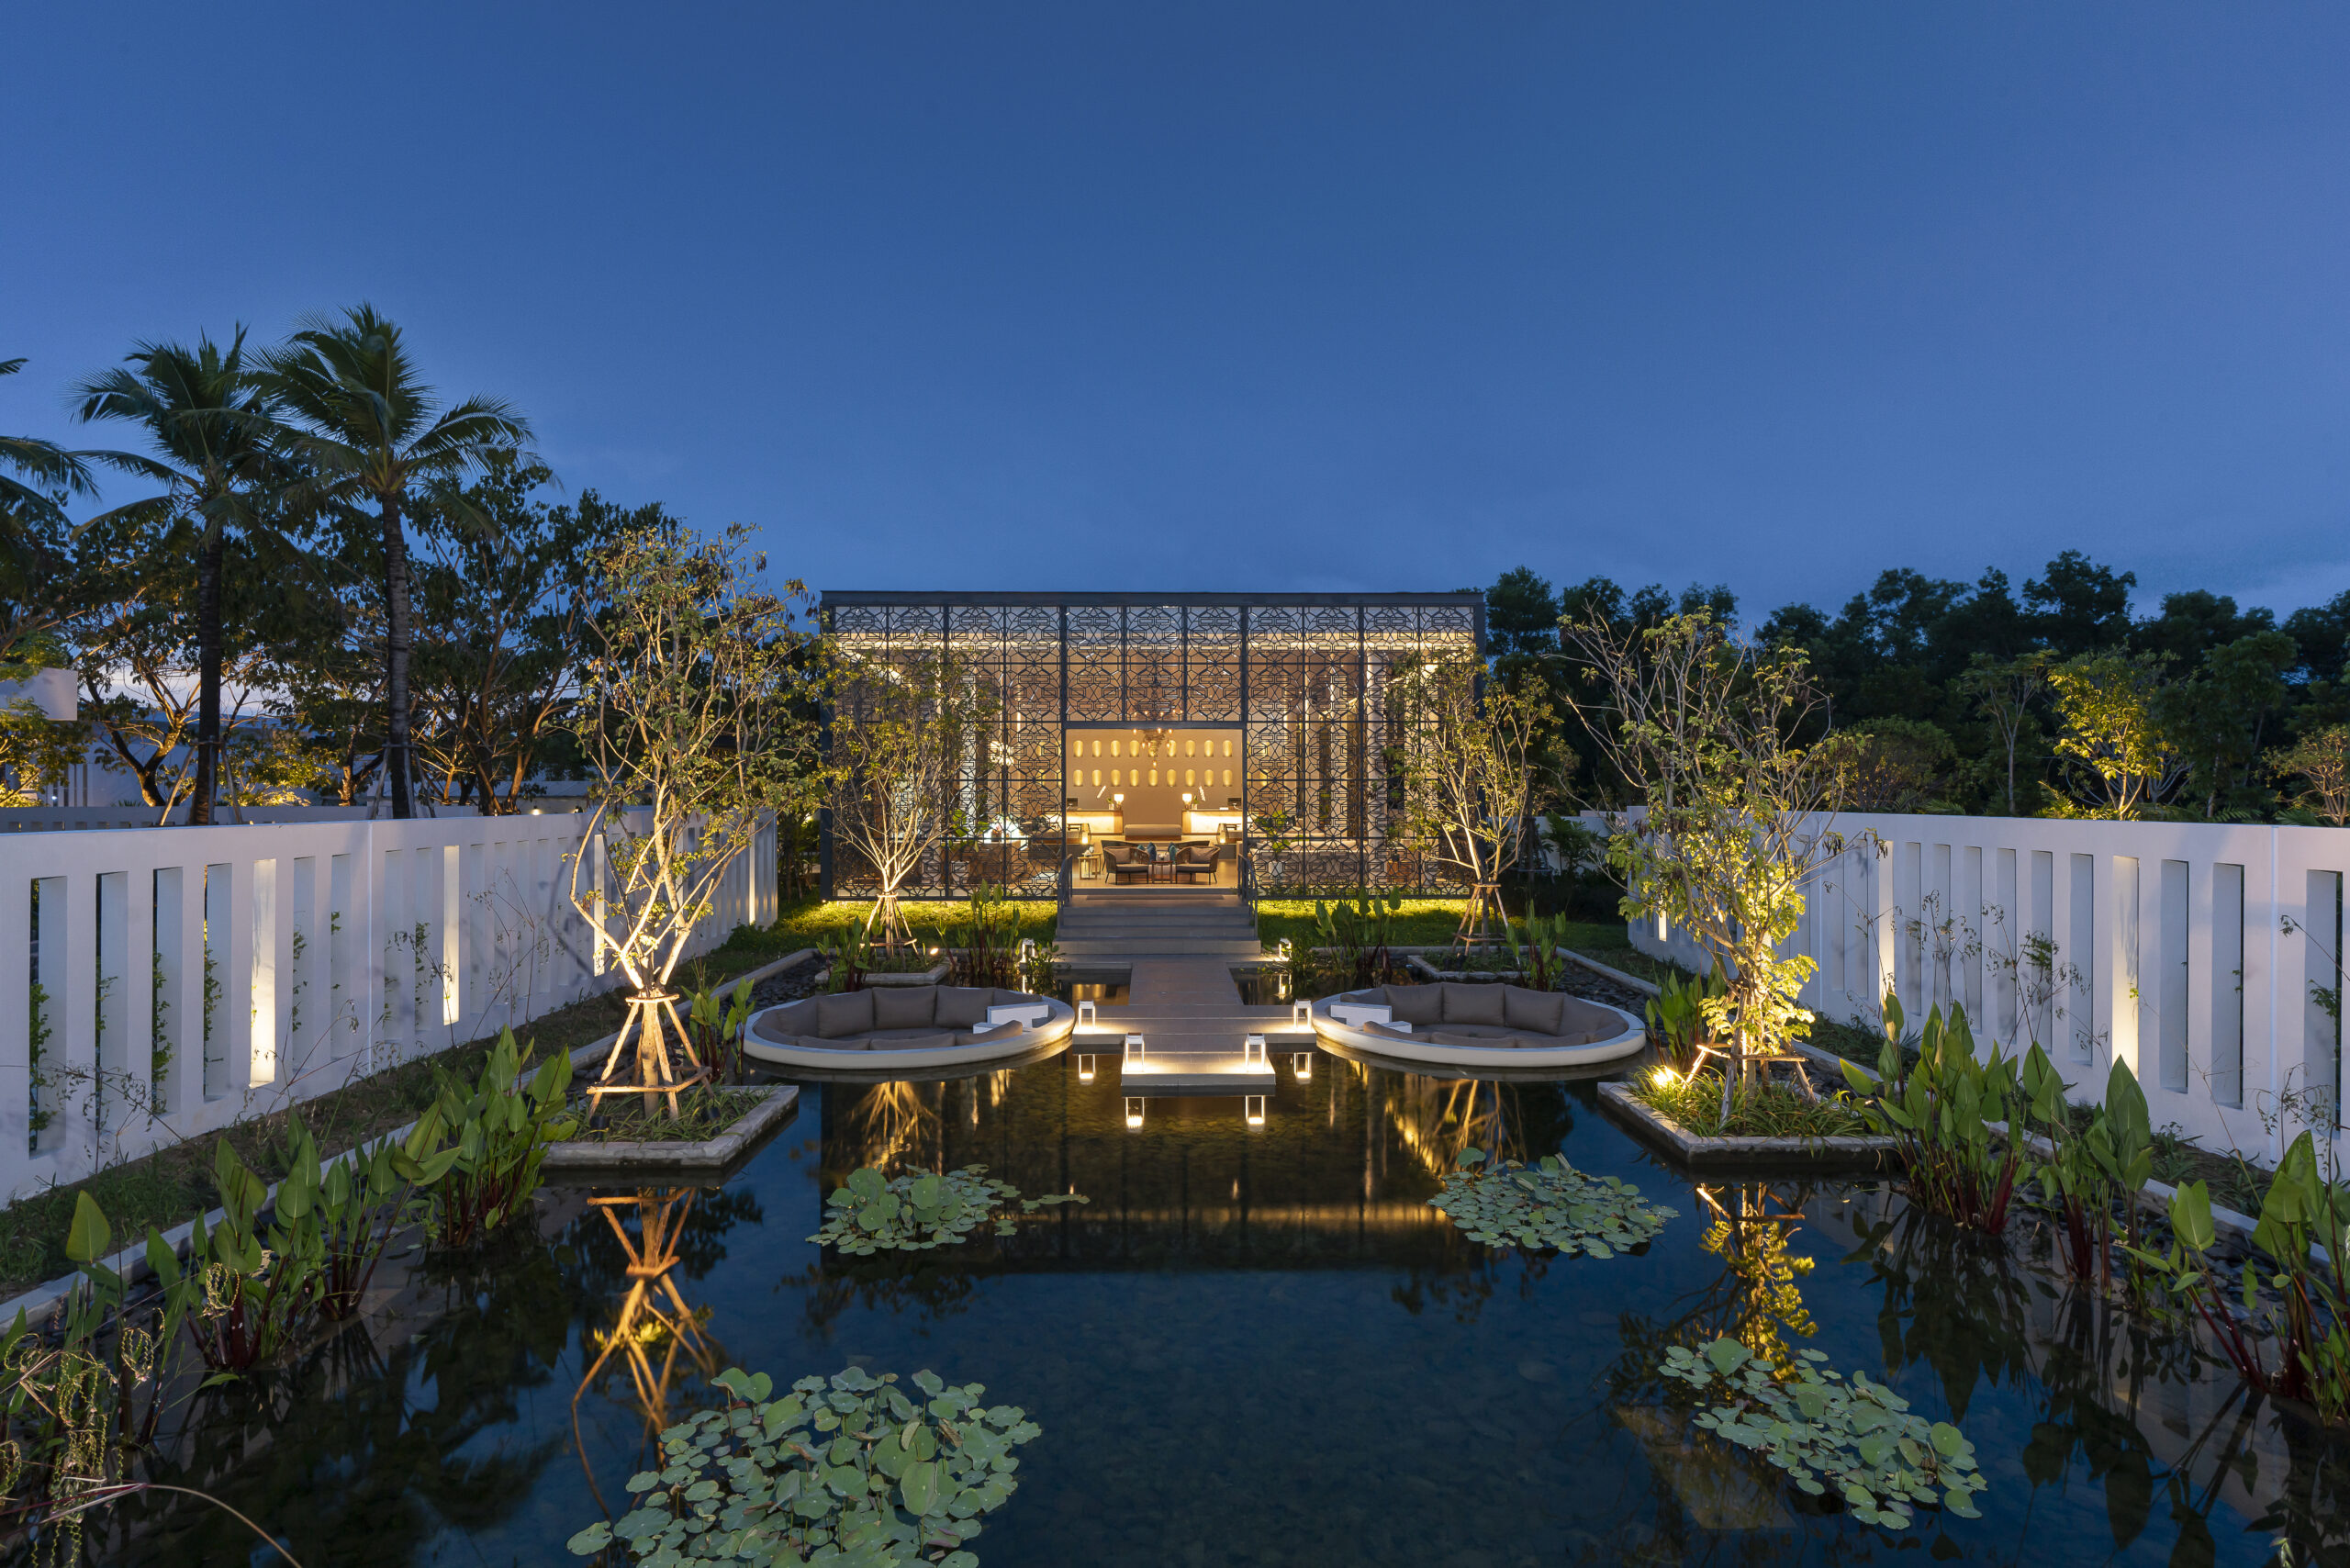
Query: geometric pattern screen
(1304, 678)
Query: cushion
(1523, 1008)
(1481, 1034)
(843, 1014)
(1589, 1020)
(1001, 1032)
(1472, 1004)
(787, 1023)
(961, 1006)
(904, 1006)
(1415, 1003)
(910, 1040)
(1385, 1033)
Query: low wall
(2205, 955)
(272, 962)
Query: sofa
(904, 1018)
(1487, 1017)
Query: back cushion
(961, 1006)
(788, 1022)
(849, 1012)
(1539, 1010)
(1415, 1003)
(1472, 1004)
(904, 1006)
(1590, 1021)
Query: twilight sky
(1263, 296)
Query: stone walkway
(1189, 1012)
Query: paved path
(1189, 1012)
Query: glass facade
(1305, 679)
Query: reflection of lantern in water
(1303, 1067)
(1253, 1110)
(1085, 1069)
(652, 1314)
(1133, 1113)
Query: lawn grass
(174, 1184)
(815, 921)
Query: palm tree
(217, 430)
(367, 432)
(33, 516)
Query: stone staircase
(1121, 923)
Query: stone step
(1125, 947)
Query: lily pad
(1552, 1204)
(870, 1213)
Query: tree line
(2053, 700)
(326, 580)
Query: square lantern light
(1252, 1052)
(1085, 1015)
(1302, 1012)
(1134, 1049)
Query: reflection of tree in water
(1750, 1236)
(888, 1124)
(924, 1282)
(365, 1450)
(654, 1335)
(1465, 1285)
(2105, 1377)
(1436, 1118)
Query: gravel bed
(789, 985)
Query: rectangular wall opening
(2227, 985)
(2171, 998)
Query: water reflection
(654, 1318)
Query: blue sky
(1202, 296)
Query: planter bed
(748, 1131)
(1793, 1154)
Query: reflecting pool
(1254, 1345)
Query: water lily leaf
(919, 1487)
(1726, 1355)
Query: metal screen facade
(1305, 677)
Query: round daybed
(903, 1031)
(1477, 1027)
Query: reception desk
(1095, 826)
(1208, 825)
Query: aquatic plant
(1676, 1014)
(1353, 942)
(2093, 1161)
(1858, 1437)
(1504, 1203)
(502, 1126)
(2286, 1293)
(869, 1213)
(716, 1028)
(846, 1470)
(264, 1289)
(1949, 1112)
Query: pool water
(1257, 1346)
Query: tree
(367, 432)
(1470, 783)
(41, 590)
(2216, 721)
(1737, 818)
(902, 724)
(1888, 765)
(693, 722)
(1521, 615)
(205, 412)
(2323, 761)
(2112, 739)
(2004, 693)
(504, 583)
(2079, 607)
